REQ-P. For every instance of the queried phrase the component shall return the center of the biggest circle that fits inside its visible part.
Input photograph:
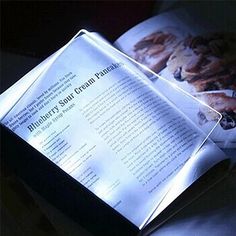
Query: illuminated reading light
(107, 126)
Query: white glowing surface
(58, 128)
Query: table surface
(214, 213)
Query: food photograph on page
(200, 60)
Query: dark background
(39, 28)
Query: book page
(193, 169)
(195, 54)
(106, 127)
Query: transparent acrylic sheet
(185, 103)
(37, 113)
(182, 100)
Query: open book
(93, 112)
(195, 54)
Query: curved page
(197, 53)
